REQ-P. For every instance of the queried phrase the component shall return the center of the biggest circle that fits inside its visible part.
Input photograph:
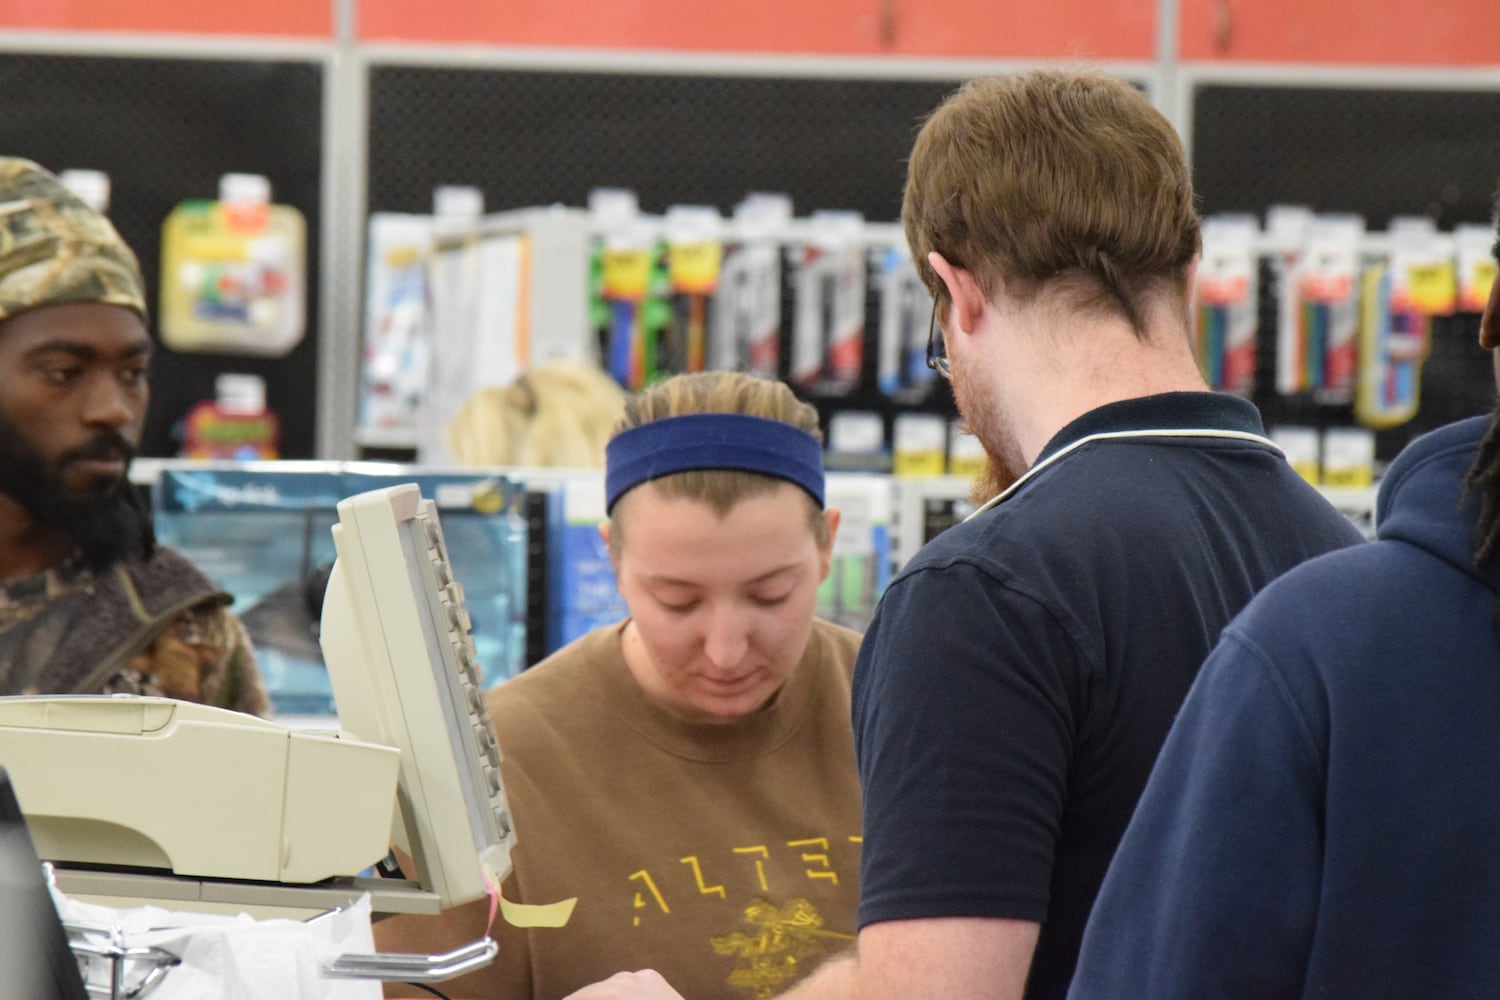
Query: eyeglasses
(937, 347)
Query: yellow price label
(1348, 476)
(626, 273)
(968, 467)
(1434, 287)
(1308, 470)
(917, 464)
(694, 266)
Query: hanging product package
(397, 330)
(235, 425)
(234, 273)
(1394, 339)
(745, 313)
(828, 302)
(1399, 299)
(859, 569)
(1225, 298)
(1476, 265)
(905, 309)
(630, 288)
(1319, 314)
(629, 262)
(695, 251)
(479, 334)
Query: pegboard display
(166, 129)
(1457, 380)
(534, 137)
(1377, 153)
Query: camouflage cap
(55, 249)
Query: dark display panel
(166, 130)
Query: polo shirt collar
(1168, 411)
(1184, 414)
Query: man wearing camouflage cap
(89, 602)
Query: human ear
(963, 291)
(604, 535)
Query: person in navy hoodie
(1324, 817)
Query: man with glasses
(1021, 673)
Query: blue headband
(712, 441)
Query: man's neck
(26, 550)
(1095, 364)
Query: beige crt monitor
(396, 639)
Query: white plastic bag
(234, 958)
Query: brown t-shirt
(724, 856)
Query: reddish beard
(994, 480)
(1003, 465)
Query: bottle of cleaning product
(235, 425)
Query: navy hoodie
(1324, 818)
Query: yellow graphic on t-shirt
(821, 859)
(760, 863)
(780, 945)
(640, 901)
(705, 889)
(723, 875)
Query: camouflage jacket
(157, 626)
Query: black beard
(112, 525)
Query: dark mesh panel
(534, 138)
(1376, 152)
(166, 130)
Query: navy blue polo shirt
(1021, 672)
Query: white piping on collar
(1189, 432)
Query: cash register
(148, 800)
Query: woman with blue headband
(687, 773)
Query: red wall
(1386, 32)
(1110, 29)
(1389, 32)
(286, 18)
